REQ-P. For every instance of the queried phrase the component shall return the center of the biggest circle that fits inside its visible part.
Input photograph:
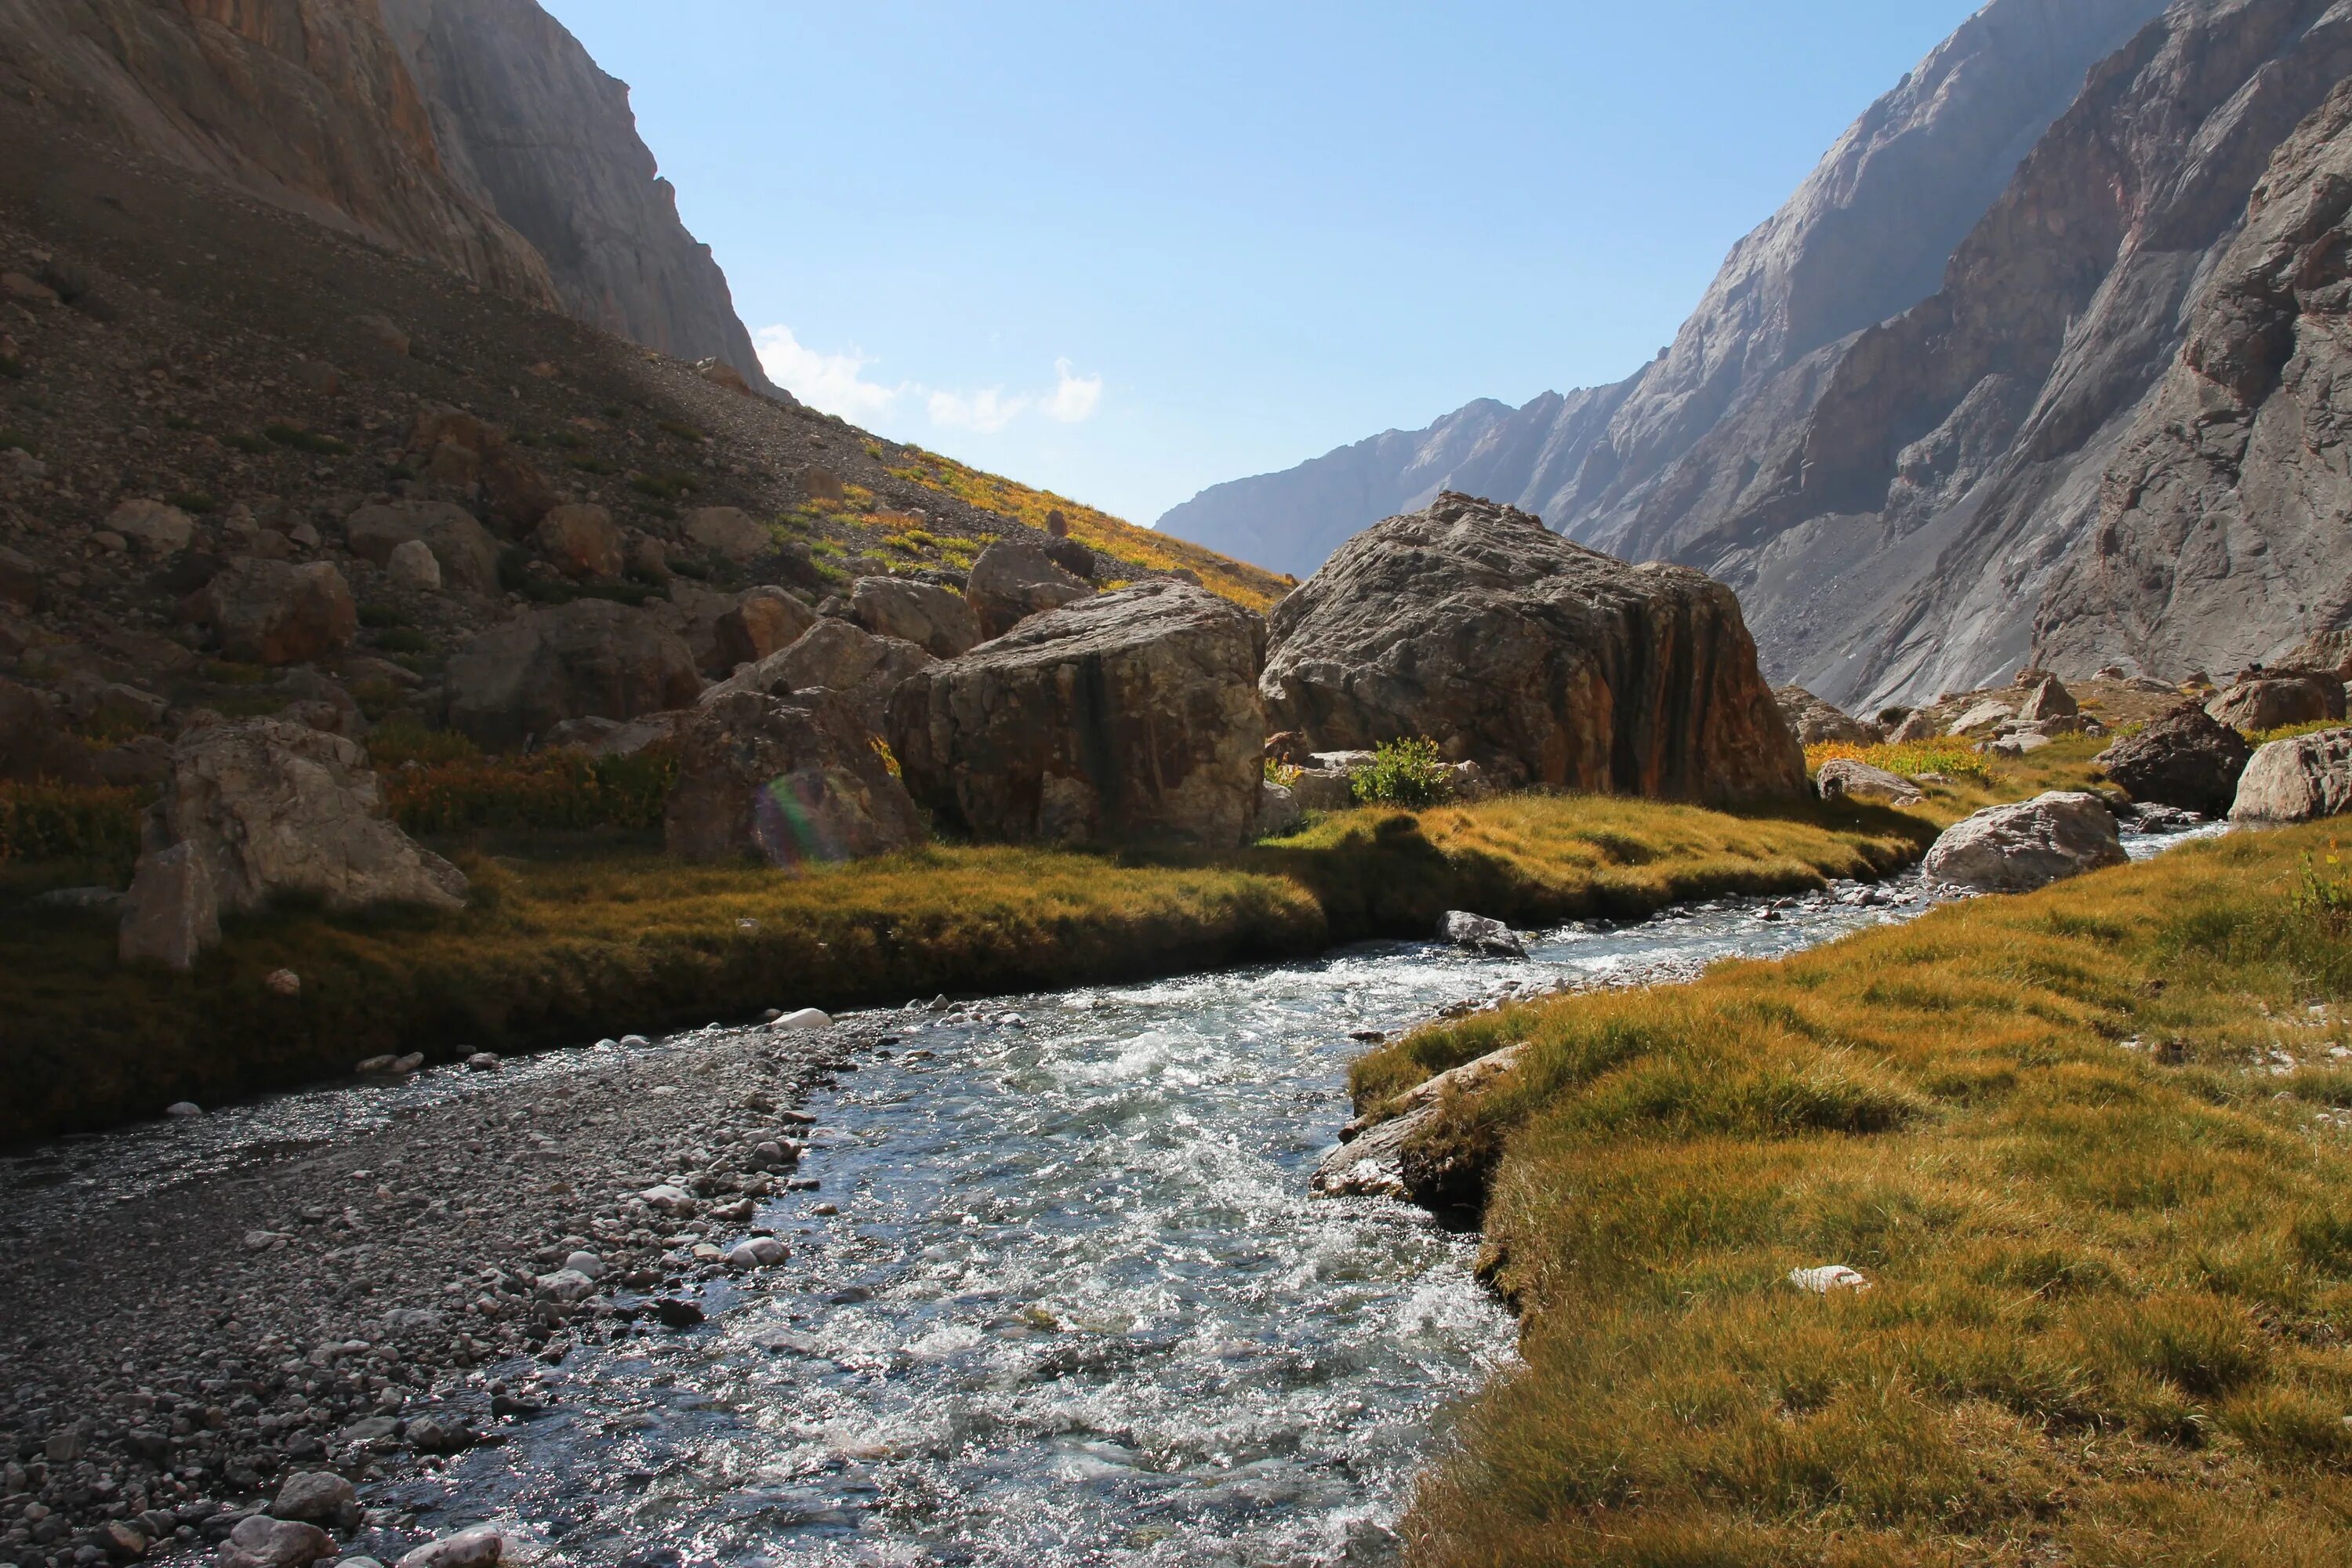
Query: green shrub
(375, 618)
(665, 487)
(11, 367)
(1404, 772)
(683, 431)
(593, 464)
(197, 503)
(403, 639)
(242, 441)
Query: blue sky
(1127, 249)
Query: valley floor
(565, 944)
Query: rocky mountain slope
(478, 136)
(251, 463)
(530, 126)
(1865, 237)
(1923, 501)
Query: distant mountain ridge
(474, 133)
(1890, 422)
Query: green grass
(2110, 1246)
(615, 938)
(2289, 731)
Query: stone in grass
(2018, 848)
(1490, 938)
(1824, 1278)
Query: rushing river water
(1063, 1297)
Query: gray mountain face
(529, 124)
(1868, 235)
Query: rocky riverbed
(200, 1309)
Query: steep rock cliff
(305, 103)
(1865, 237)
(2221, 536)
(529, 124)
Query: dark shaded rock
(589, 659)
(1815, 722)
(934, 620)
(273, 612)
(765, 620)
(2184, 757)
(463, 549)
(788, 780)
(1014, 579)
(34, 747)
(1544, 662)
(860, 667)
(1131, 715)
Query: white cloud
(837, 383)
(985, 412)
(834, 382)
(1076, 397)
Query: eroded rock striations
(1129, 715)
(1541, 661)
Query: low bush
(1953, 758)
(2291, 732)
(64, 822)
(1405, 772)
(564, 790)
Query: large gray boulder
(2278, 699)
(1542, 661)
(463, 549)
(589, 659)
(2183, 758)
(1815, 722)
(786, 780)
(2018, 848)
(939, 622)
(262, 807)
(1843, 778)
(1014, 579)
(861, 668)
(274, 612)
(2297, 780)
(1131, 715)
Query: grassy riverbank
(2087, 1146)
(568, 942)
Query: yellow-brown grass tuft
(2082, 1144)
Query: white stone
(1825, 1277)
(806, 1018)
(412, 566)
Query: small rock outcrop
(1815, 722)
(2029, 844)
(1478, 934)
(939, 622)
(2276, 699)
(1542, 661)
(589, 659)
(765, 620)
(2183, 758)
(2047, 697)
(466, 553)
(273, 612)
(729, 532)
(787, 780)
(1012, 579)
(862, 668)
(580, 540)
(1843, 778)
(1133, 714)
(2296, 779)
(1368, 1162)
(261, 807)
